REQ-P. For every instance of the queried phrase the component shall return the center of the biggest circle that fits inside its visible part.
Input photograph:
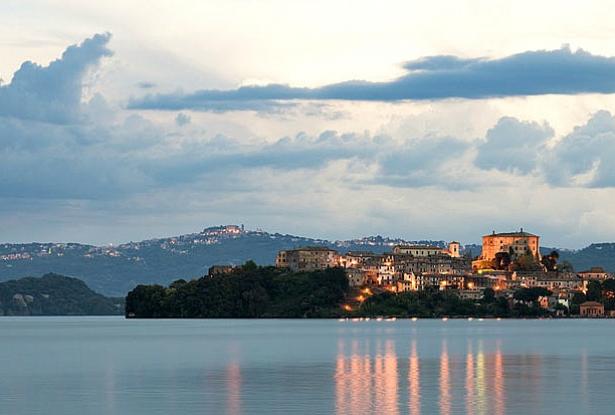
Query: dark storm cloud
(560, 71)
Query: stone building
(427, 251)
(552, 281)
(309, 258)
(595, 273)
(356, 277)
(591, 309)
(215, 270)
(514, 243)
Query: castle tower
(453, 249)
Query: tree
(566, 266)
(488, 295)
(531, 295)
(527, 262)
(502, 260)
(178, 283)
(550, 261)
(578, 298)
(250, 291)
(608, 289)
(250, 266)
(594, 291)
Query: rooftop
(418, 247)
(519, 233)
(593, 270)
(591, 304)
(311, 248)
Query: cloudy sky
(436, 120)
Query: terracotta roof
(591, 303)
(593, 270)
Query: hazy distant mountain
(114, 270)
(54, 295)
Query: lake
(108, 365)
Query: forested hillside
(53, 295)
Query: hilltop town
(510, 263)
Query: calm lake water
(74, 365)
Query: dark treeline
(267, 292)
(435, 303)
(247, 292)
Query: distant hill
(115, 270)
(600, 254)
(54, 295)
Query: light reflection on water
(371, 382)
(113, 366)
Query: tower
(453, 249)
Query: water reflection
(445, 393)
(233, 388)
(363, 381)
(498, 379)
(467, 381)
(414, 382)
(316, 367)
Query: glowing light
(414, 381)
(500, 397)
(361, 298)
(469, 386)
(347, 307)
(445, 392)
(470, 285)
(233, 375)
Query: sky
(438, 120)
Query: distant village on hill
(503, 262)
(508, 262)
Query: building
(473, 294)
(417, 250)
(442, 281)
(356, 259)
(513, 243)
(497, 282)
(453, 250)
(310, 258)
(552, 281)
(595, 273)
(215, 270)
(356, 277)
(439, 264)
(404, 286)
(592, 309)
